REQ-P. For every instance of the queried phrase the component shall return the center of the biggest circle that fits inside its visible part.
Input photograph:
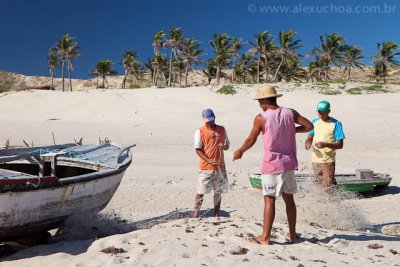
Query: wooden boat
(42, 186)
(363, 181)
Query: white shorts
(275, 184)
(212, 180)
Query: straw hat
(267, 91)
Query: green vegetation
(354, 91)
(329, 91)
(370, 89)
(323, 87)
(227, 90)
(135, 86)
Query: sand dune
(147, 224)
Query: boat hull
(29, 212)
(346, 182)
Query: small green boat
(363, 181)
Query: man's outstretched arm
(251, 139)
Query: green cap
(323, 106)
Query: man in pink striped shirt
(278, 128)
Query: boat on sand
(364, 180)
(40, 187)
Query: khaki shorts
(212, 180)
(275, 184)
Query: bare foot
(292, 240)
(196, 214)
(257, 240)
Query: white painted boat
(42, 186)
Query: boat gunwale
(37, 183)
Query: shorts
(324, 173)
(208, 180)
(275, 184)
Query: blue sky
(104, 29)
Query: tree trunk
(233, 71)
(258, 68)
(186, 75)
(349, 74)
(170, 67)
(266, 69)
(217, 74)
(52, 79)
(104, 79)
(62, 74)
(277, 70)
(69, 76)
(326, 72)
(165, 78)
(156, 78)
(124, 80)
(153, 77)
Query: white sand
(162, 179)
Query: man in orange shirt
(209, 142)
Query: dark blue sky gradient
(104, 29)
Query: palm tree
(315, 69)
(174, 42)
(137, 70)
(211, 70)
(103, 69)
(237, 44)
(159, 41)
(263, 47)
(293, 71)
(221, 46)
(331, 51)
(179, 67)
(377, 72)
(159, 63)
(287, 49)
(385, 58)
(190, 55)
(244, 67)
(128, 63)
(54, 63)
(352, 58)
(66, 48)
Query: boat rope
(34, 185)
(69, 153)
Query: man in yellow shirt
(327, 136)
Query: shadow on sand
(78, 234)
(390, 190)
(361, 237)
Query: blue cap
(208, 115)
